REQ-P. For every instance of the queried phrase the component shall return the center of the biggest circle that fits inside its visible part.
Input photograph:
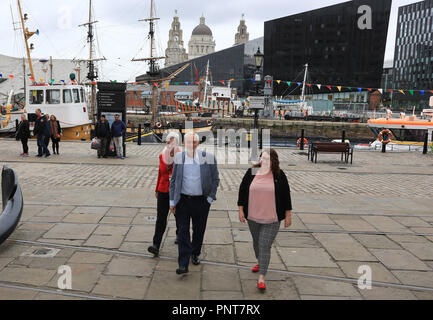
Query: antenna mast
(27, 35)
(303, 84)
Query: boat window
(36, 96)
(67, 96)
(76, 95)
(82, 95)
(53, 96)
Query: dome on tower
(202, 29)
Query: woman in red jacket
(166, 159)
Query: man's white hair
(195, 135)
(174, 135)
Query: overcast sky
(122, 37)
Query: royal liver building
(175, 52)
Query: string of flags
(224, 107)
(289, 84)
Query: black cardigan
(283, 200)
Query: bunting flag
(222, 81)
(390, 90)
(289, 83)
(252, 80)
(278, 81)
(186, 82)
(370, 89)
(401, 91)
(411, 92)
(232, 79)
(11, 76)
(167, 85)
(329, 87)
(42, 80)
(299, 84)
(380, 90)
(349, 88)
(422, 92)
(431, 91)
(319, 86)
(360, 89)
(52, 80)
(1, 75)
(339, 88)
(197, 82)
(309, 85)
(155, 84)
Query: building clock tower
(175, 52)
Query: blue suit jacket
(208, 173)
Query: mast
(205, 86)
(27, 35)
(153, 72)
(93, 74)
(303, 84)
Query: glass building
(236, 63)
(339, 52)
(413, 60)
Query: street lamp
(258, 60)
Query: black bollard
(383, 147)
(139, 134)
(302, 139)
(261, 139)
(425, 143)
(16, 125)
(343, 137)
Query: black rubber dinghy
(13, 203)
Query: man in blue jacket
(39, 132)
(118, 129)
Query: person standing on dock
(55, 133)
(264, 201)
(193, 188)
(47, 133)
(102, 131)
(118, 129)
(39, 132)
(166, 159)
(23, 134)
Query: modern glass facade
(413, 60)
(338, 51)
(235, 63)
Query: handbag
(112, 146)
(96, 143)
(58, 136)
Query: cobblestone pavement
(99, 215)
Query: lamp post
(258, 60)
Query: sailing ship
(67, 102)
(161, 125)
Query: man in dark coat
(102, 131)
(39, 132)
(47, 133)
(23, 134)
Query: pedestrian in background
(102, 131)
(264, 201)
(39, 132)
(47, 132)
(193, 188)
(23, 134)
(118, 129)
(55, 132)
(166, 160)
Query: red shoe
(261, 286)
(256, 268)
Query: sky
(121, 37)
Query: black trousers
(24, 142)
(197, 210)
(47, 141)
(162, 208)
(55, 143)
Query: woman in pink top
(264, 200)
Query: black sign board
(111, 100)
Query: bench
(12, 203)
(345, 149)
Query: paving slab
(16, 294)
(107, 230)
(422, 251)
(386, 224)
(140, 234)
(130, 266)
(170, 286)
(222, 295)
(4, 262)
(383, 293)
(314, 218)
(412, 222)
(408, 239)
(122, 287)
(276, 290)
(415, 278)
(218, 236)
(350, 223)
(55, 211)
(83, 218)
(91, 210)
(90, 257)
(321, 287)
(306, 257)
(29, 276)
(399, 260)
(342, 247)
(216, 253)
(378, 272)
(297, 241)
(215, 278)
(376, 241)
(53, 296)
(70, 231)
(122, 212)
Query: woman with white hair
(166, 160)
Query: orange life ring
(380, 136)
(299, 142)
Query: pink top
(261, 203)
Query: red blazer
(164, 175)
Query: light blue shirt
(191, 180)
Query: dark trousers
(24, 142)
(162, 208)
(55, 143)
(102, 152)
(42, 147)
(47, 141)
(197, 210)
